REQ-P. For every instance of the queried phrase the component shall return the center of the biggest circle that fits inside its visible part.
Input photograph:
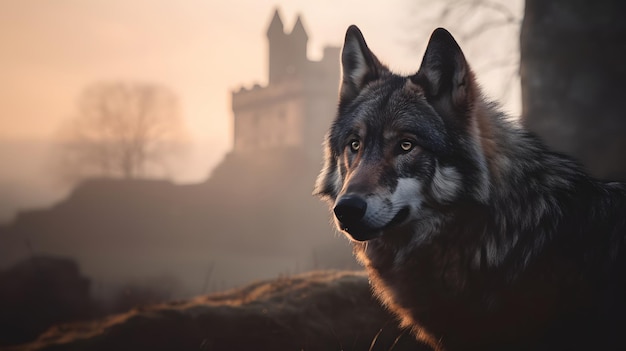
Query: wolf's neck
(499, 139)
(529, 186)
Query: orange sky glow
(200, 49)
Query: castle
(298, 103)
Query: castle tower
(287, 51)
(298, 39)
(296, 107)
(277, 38)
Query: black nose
(350, 209)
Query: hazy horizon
(201, 50)
(96, 89)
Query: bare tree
(488, 32)
(120, 130)
(570, 63)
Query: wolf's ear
(445, 75)
(359, 65)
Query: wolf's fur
(472, 232)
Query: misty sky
(201, 49)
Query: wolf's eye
(406, 145)
(355, 145)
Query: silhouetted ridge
(253, 218)
(313, 311)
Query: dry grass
(324, 310)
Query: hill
(325, 310)
(254, 218)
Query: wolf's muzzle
(350, 210)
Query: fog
(233, 204)
(28, 179)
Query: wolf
(472, 232)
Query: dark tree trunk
(573, 73)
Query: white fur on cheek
(446, 184)
(381, 209)
(408, 193)
(329, 181)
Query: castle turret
(287, 52)
(298, 103)
(298, 31)
(276, 27)
(298, 40)
(278, 42)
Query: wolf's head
(402, 147)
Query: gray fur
(477, 237)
